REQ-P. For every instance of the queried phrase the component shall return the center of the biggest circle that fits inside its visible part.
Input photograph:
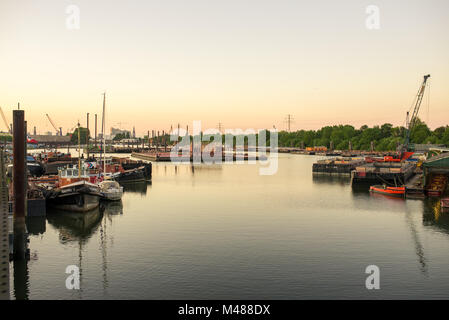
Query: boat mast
(79, 151)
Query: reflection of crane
(410, 123)
(58, 131)
(419, 249)
(5, 121)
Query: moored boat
(137, 174)
(389, 191)
(34, 168)
(110, 190)
(79, 196)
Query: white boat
(111, 190)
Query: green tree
(83, 135)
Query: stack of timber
(337, 166)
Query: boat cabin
(72, 174)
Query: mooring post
(19, 192)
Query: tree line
(385, 137)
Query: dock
(383, 173)
(166, 157)
(414, 188)
(4, 233)
(337, 166)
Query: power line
(289, 120)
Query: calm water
(220, 232)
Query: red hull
(389, 191)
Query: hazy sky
(246, 64)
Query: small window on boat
(75, 172)
(69, 172)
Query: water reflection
(434, 217)
(73, 226)
(136, 187)
(36, 225)
(169, 169)
(21, 279)
(80, 227)
(112, 208)
(330, 179)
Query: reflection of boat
(111, 190)
(80, 196)
(112, 208)
(137, 187)
(389, 191)
(75, 226)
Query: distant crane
(58, 131)
(5, 121)
(410, 122)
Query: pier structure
(4, 232)
(391, 173)
(337, 166)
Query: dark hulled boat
(137, 174)
(80, 196)
(35, 169)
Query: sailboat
(76, 190)
(109, 189)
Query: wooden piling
(19, 192)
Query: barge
(394, 173)
(337, 166)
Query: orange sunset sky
(246, 64)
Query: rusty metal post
(19, 192)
